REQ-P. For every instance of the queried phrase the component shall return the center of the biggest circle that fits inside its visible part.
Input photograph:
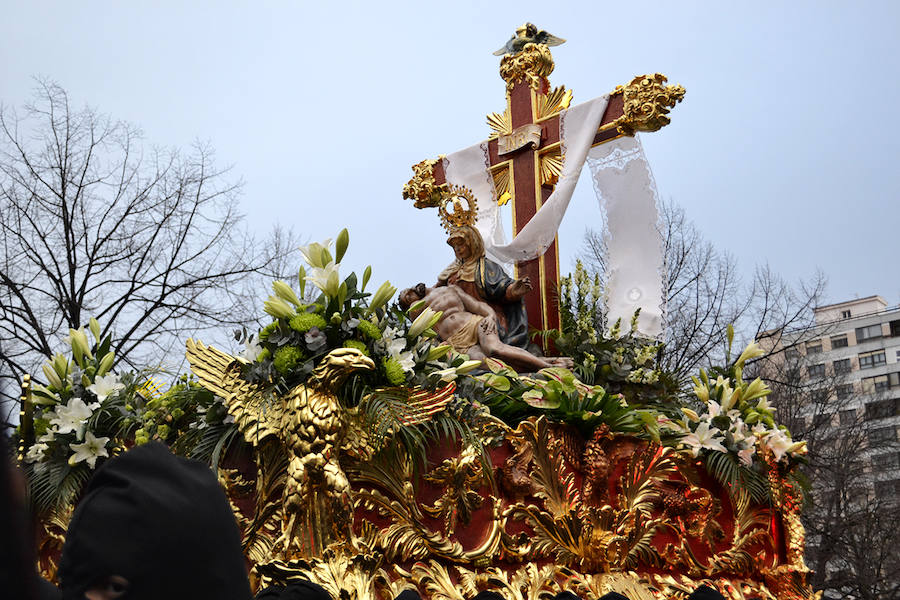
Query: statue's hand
(518, 288)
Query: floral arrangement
(78, 417)
(732, 424)
(343, 314)
(621, 361)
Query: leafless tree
(705, 293)
(96, 224)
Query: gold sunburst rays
(547, 105)
(500, 124)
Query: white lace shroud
(627, 195)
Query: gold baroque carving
(421, 189)
(533, 64)
(647, 103)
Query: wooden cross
(525, 156)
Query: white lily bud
(469, 365)
(693, 416)
(438, 352)
(424, 321)
(106, 363)
(381, 296)
(278, 308)
(52, 377)
(95, 328)
(284, 291)
(751, 351)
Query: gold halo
(460, 216)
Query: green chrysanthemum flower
(305, 321)
(369, 329)
(361, 346)
(163, 431)
(264, 355)
(393, 371)
(268, 330)
(286, 359)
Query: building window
(816, 370)
(845, 314)
(888, 490)
(848, 417)
(821, 421)
(839, 341)
(841, 366)
(791, 354)
(882, 435)
(886, 462)
(814, 347)
(844, 391)
(868, 333)
(881, 383)
(869, 360)
(895, 328)
(882, 409)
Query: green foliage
(303, 322)
(286, 359)
(361, 346)
(393, 372)
(557, 394)
(620, 362)
(369, 329)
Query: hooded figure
(484, 279)
(153, 525)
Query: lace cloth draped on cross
(626, 192)
(625, 189)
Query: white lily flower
(778, 443)
(759, 429)
(89, 451)
(704, 437)
(746, 455)
(36, 452)
(251, 350)
(106, 385)
(406, 360)
(72, 417)
(763, 405)
(713, 409)
(326, 278)
(312, 253)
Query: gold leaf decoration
(545, 106)
(500, 124)
(551, 166)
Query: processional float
(526, 506)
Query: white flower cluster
(70, 420)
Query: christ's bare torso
(449, 300)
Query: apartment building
(858, 342)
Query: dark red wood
(542, 304)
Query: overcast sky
(785, 150)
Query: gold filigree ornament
(533, 64)
(647, 102)
(422, 189)
(459, 216)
